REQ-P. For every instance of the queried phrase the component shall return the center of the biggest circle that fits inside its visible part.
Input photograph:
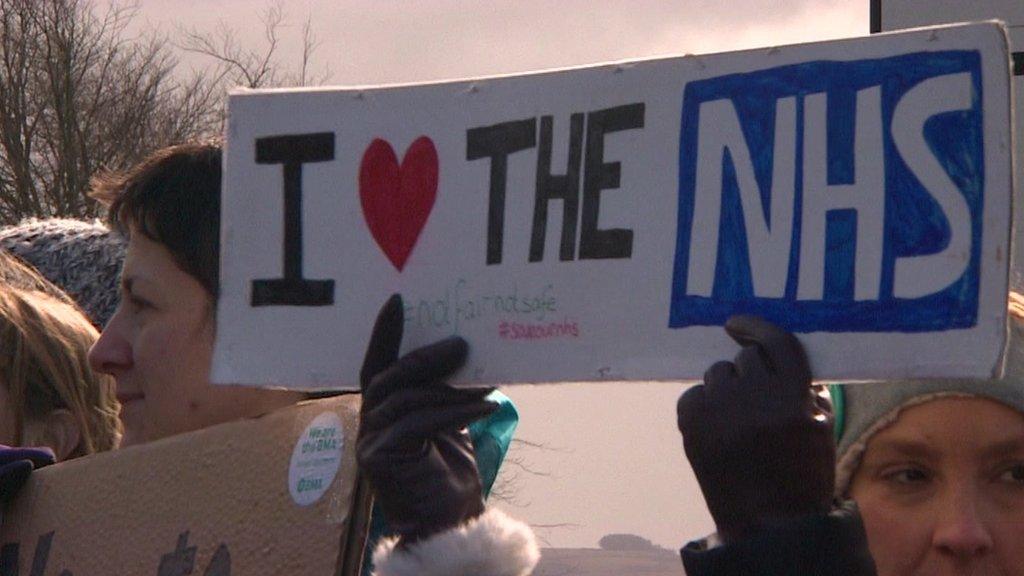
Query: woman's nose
(963, 528)
(112, 353)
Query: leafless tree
(257, 67)
(516, 469)
(77, 95)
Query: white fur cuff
(491, 545)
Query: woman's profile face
(941, 490)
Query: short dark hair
(173, 198)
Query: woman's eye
(1014, 473)
(907, 476)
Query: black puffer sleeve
(832, 544)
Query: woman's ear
(58, 430)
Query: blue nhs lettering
(833, 196)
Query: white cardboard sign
(604, 222)
(889, 15)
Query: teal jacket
(491, 436)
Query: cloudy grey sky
(616, 462)
(384, 41)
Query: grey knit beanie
(863, 410)
(82, 258)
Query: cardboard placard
(604, 222)
(272, 495)
(889, 15)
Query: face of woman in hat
(941, 490)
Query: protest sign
(272, 495)
(888, 15)
(604, 222)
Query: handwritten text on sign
(604, 222)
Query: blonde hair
(1016, 306)
(44, 365)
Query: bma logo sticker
(316, 459)
(833, 196)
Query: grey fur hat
(81, 258)
(863, 410)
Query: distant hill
(629, 542)
(596, 562)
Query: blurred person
(52, 405)
(49, 394)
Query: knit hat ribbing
(870, 408)
(82, 258)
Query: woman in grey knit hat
(81, 258)
(937, 468)
(928, 476)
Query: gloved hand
(16, 464)
(758, 437)
(413, 446)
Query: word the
(498, 141)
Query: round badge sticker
(316, 459)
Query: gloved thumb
(385, 340)
(782, 352)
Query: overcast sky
(616, 463)
(383, 41)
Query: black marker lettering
(293, 151)
(9, 565)
(497, 142)
(565, 187)
(42, 554)
(181, 561)
(597, 176)
(220, 565)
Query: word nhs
(837, 196)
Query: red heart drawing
(397, 199)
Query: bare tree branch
(255, 67)
(516, 469)
(78, 95)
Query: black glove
(412, 444)
(16, 464)
(758, 437)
